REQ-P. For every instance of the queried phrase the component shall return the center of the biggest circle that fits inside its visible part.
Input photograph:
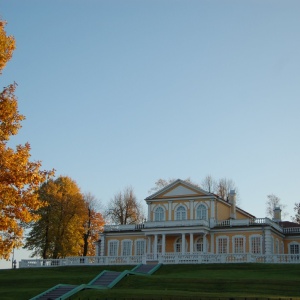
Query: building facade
(186, 224)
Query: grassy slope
(216, 280)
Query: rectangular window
(256, 245)
(113, 248)
(239, 245)
(222, 245)
(140, 248)
(126, 249)
(294, 249)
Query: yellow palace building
(186, 224)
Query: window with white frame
(238, 244)
(255, 244)
(126, 248)
(222, 244)
(113, 248)
(178, 245)
(181, 213)
(201, 212)
(294, 248)
(199, 246)
(140, 247)
(159, 214)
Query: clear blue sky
(119, 93)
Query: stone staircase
(57, 292)
(144, 268)
(105, 280)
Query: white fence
(168, 258)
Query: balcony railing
(248, 222)
(129, 227)
(179, 223)
(291, 230)
(190, 223)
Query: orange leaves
(19, 177)
(7, 46)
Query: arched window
(178, 245)
(199, 245)
(201, 212)
(181, 213)
(159, 214)
(294, 248)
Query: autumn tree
(272, 202)
(93, 224)
(124, 208)
(297, 213)
(59, 231)
(19, 177)
(7, 46)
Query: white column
(155, 245)
(191, 242)
(163, 246)
(183, 243)
(170, 211)
(191, 209)
(204, 244)
(149, 245)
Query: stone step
(145, 268)
(106, 278)
(59, 291)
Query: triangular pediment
(178, 188)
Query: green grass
(169, 282)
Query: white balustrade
(179, 223)
(291, 230)
(167, 258)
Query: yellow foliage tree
(19, 178)
(7, 46)
(64, 221)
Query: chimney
(277, 214)
(232, 201)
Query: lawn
(209, 281)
